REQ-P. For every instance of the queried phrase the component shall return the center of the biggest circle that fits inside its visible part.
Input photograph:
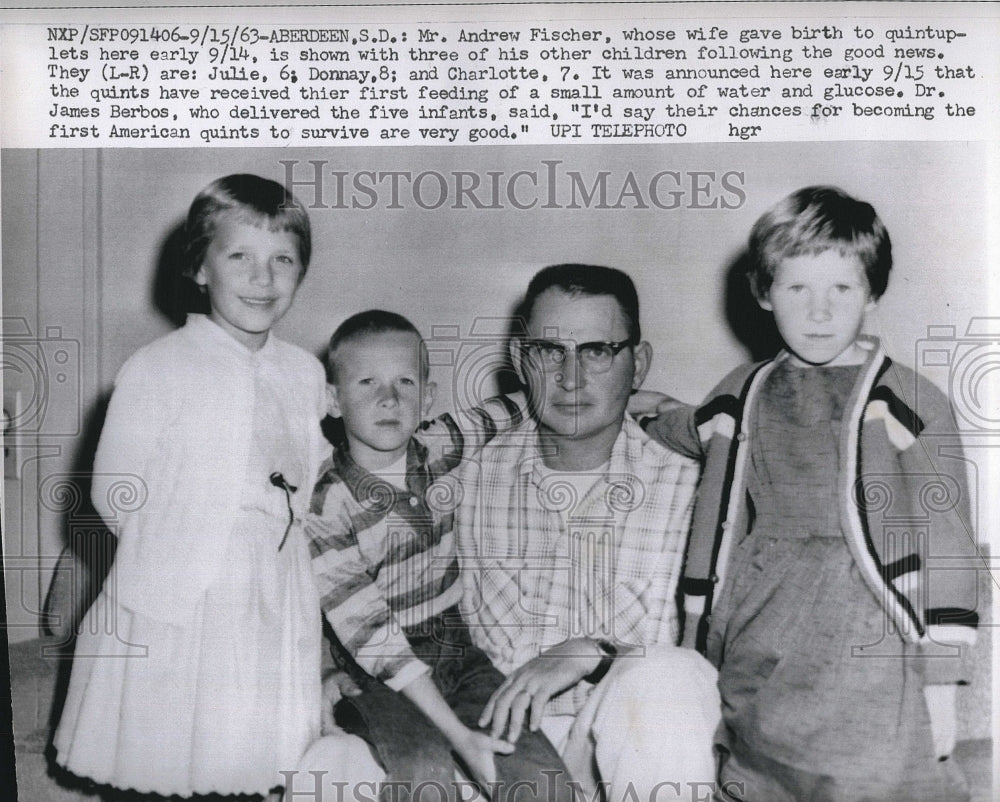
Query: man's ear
(430, 390)
(516, 348)
(643, 357)
(332, 404)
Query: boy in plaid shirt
(383, 553)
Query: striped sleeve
(939, 484)
(687, 429)
(351, 600)
(677, 430)
(451, 438)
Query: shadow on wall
(174, 294)
(753, 326)
(89, 548)
(88, 545)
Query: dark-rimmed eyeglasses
(594, 357)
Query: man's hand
(336, 685)
(528, 689)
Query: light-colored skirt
(221, 705)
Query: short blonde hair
(260, 200)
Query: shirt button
(741, 437)
(725, 525)
(714, 579)
(413, 501)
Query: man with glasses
(571, 532)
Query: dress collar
(207, 330)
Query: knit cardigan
(170, 469)
(903, 505)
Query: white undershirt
(394, 474)
(580, 481)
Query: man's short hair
(372, 321)
(814, 220)
(578, 279)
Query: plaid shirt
(384, 556)
(540, 566)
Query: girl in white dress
(197, 668)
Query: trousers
(644, 735)
(417, 759)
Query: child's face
(819, 303)
(381, 395)
(251, 275)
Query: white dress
(227, 698)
